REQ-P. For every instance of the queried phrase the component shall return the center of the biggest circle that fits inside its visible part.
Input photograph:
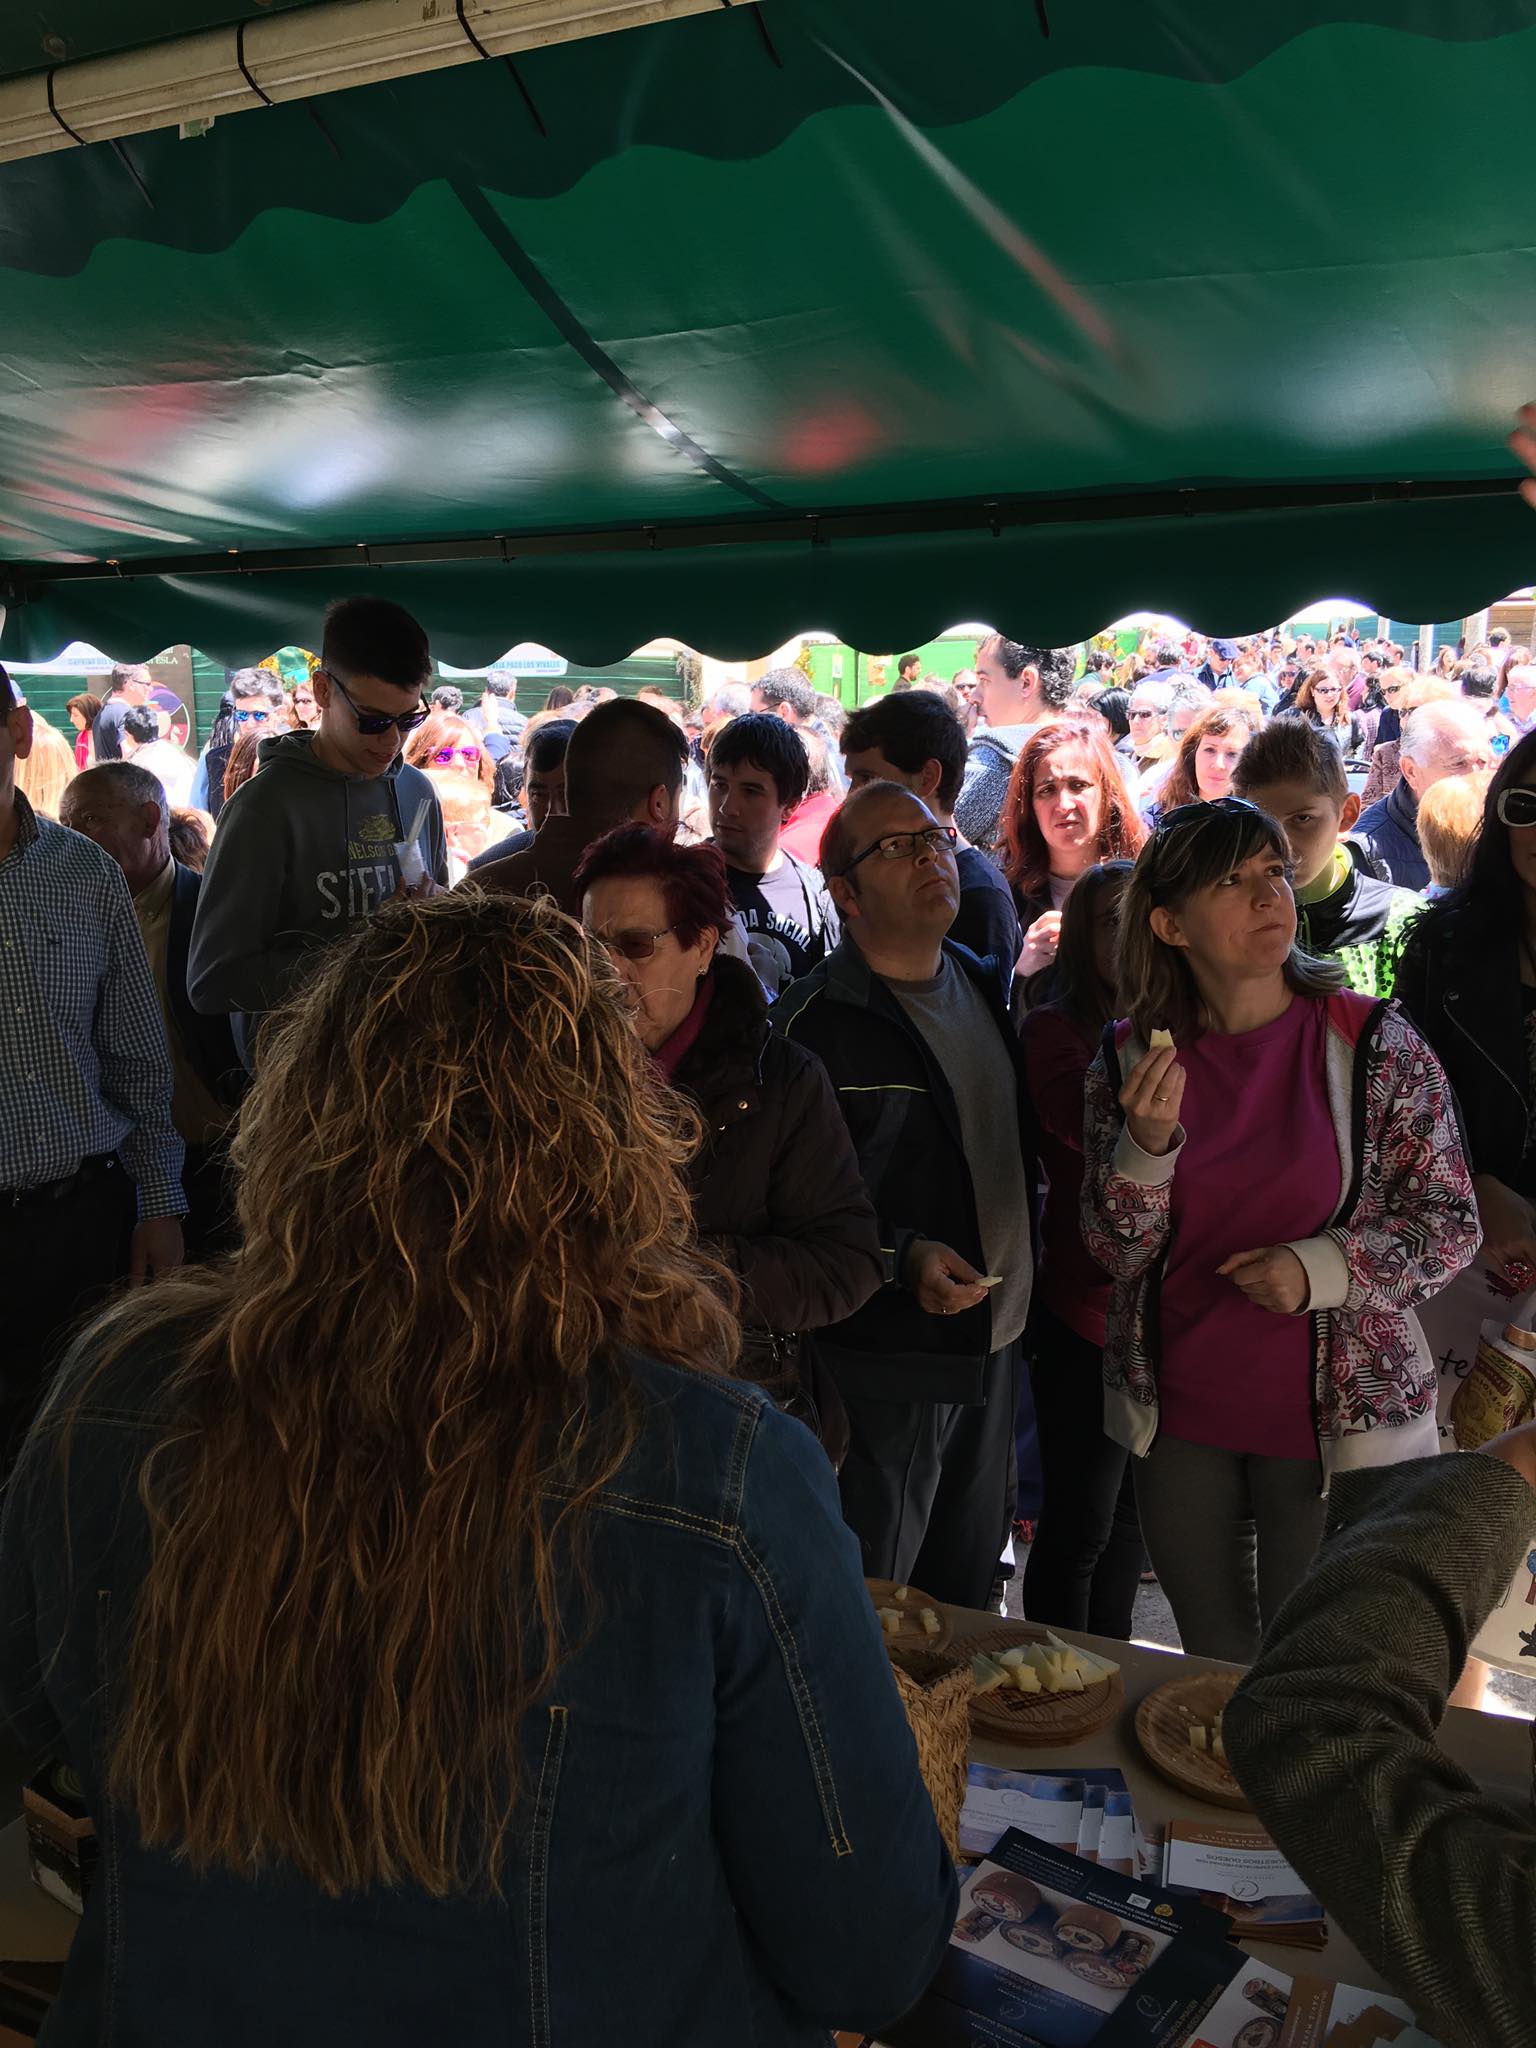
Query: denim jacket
(724, 1835)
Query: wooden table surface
(1493, 1749)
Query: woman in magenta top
(1087, 1557)
(1273, 1195)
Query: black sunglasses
(1195, 814)
(374, 722)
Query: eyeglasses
(632, 944)
(446, 756)
(252, 717)
(372, 723)
(935, 840)
(1517, 806)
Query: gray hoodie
(993, 752)
(301, 852)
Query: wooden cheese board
(1042, 1719)
(1163, 1722)
(911, 1635)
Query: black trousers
(1087, 1557)
(925, 1486)
(59, 1260)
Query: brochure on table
(1088, 1811)
(1051, 1951)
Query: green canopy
(864, 317)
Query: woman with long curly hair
(1067, 809)
(417, 1597)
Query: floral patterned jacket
(1404, 1227)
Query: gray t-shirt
(961, 1032)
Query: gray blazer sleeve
(1332, 1735)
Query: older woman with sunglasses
(776, 1188)
(1273, 1193)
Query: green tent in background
(862, 317)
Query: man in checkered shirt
(90, 1163)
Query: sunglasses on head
(1183, 815)
(631, 944)
(1517, 806)
(446, 756)
(372, 723)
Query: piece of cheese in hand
(1160, 1040)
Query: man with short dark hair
(785, 693)
(90, 1163)
(123, 807)
(335, 823)
(130, 686)
(758, 773)
(915, 741)
(496, 717)
(624, 764)
(1021, 687)
(1216, 669)
(916, 1037)
(908, 669)
(171, 765)
(543, 790)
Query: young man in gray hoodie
(312, 842)
(1021, 687)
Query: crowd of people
(614, 1179)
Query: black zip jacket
(901, 1110)
(1464, 996)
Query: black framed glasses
(632, 944)
(374, 722)
(935, 840)
(1516, 806)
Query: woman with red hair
(777, 1192)
(1067, 809)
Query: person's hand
(1040, 943)
(155, 1249)
(1509, 1241)
(1153, 1090)
(417, 892)
(941, 1279)
(1272, 1278)
(1515, 1447)
(1522, 442)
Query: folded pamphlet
(1240, 1872)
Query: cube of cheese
(932, 1625)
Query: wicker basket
(936, 1689)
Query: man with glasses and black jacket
(914, 1033)
(333, 824)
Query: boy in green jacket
(1296, 774)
